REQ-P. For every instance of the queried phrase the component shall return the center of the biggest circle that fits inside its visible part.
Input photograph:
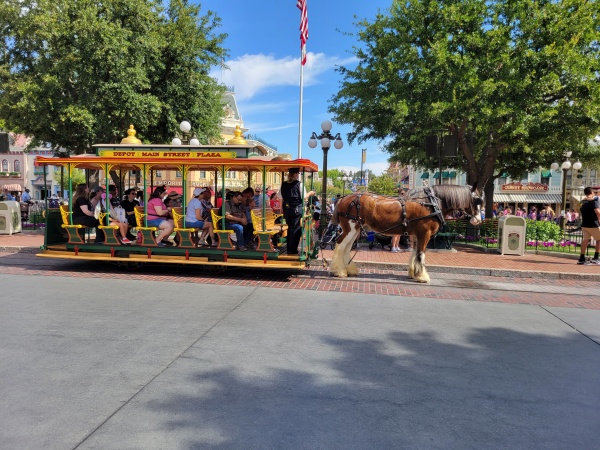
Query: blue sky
(264, 63)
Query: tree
(76, 73)
(515, 82)
(383, 185)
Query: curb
(477, 271)
(497, 273)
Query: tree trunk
(488, 190)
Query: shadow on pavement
(498, 389)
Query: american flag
(301, 4)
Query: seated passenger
(129, 204)
(117, 216)
(83, 213)
(235, 218)
(175, 199)
(158, 216)
(194, 217)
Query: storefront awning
(546, 173)
(528, 198)
(425, 175)
(436, 175)
(12, 187)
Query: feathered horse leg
(419, 272)
(351, 268)
(341, 255)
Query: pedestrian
(292, 194)
(590, 224)
(26, 198)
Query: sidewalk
(465, 260)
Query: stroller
(331, 235)
(384, 241)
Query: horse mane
(451, 196)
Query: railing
(32, 216)
(539, 235)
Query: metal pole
(440, 147)
(564, 200)
(323, 218)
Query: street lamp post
(325, 137)
(344, 180)
(186, 135)
(565, 166)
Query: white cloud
(263, 127)
(252, 74)
(377, 168)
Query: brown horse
(419, 214)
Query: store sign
(166, 155)
(524, 187)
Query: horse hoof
(422, 280)
(352, 270)
(340, 274)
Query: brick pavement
(467, 274)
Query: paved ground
(108, 363)
(94, 356)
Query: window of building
(5, 165)
(158, 174)
(17, 165)
(203, 174)
(231, 174)
(177, 174)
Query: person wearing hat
(194, 217)
(292, 194)
(26, 198)
(175, 199)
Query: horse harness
(432, 202)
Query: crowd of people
(89, 205)
(544, 213)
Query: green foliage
(383, 185)
(543, 231)
(518, 79)
(76, 73)
(77, 177)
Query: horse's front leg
(419, 271)
(341, 254)
(351, 268)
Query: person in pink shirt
(159, 216)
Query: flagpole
(301, 101)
